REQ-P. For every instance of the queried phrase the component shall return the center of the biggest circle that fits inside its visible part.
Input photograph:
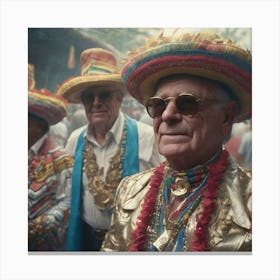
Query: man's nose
(171, 112)
(96, 100)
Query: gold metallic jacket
(230, 226)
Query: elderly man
(194, 87)
(110, 147)
(49, 171)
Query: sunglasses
(89, 97)
(187, 104)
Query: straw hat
(43, 103)
(99, 68)
(204, 54)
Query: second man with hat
(110, 147)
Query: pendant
(102, 193)
(181, 187)
(163, 240)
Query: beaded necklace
(166, 223)
(103, 192)
(163, 236)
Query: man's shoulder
(76, 133)
(236, 173)
(145, 132)
(73, 139)
(144, 127)
(135, 186)
(140, 176)
(237, 185)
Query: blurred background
(55, 52)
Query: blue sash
(130, 166)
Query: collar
(35, 148)
(115, 133)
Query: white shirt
(148, 158)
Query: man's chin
(172, 151)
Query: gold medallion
(103, 192)
(181, 187)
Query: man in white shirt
(110, 147)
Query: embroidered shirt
(49, 185)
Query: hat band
(93, 70)
(184, 53)
(214, 68)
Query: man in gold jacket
(194, 87)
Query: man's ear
(230, 110)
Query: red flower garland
(139, 234)
(210, 193)
(199, 243)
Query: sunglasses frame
(165, 101)
(88, 98)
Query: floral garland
(139, 234)
(199, 243)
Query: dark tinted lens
(155, 107)
(105, 96)
(187, 104)
(87, 98)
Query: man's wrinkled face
(191, 139)
(102, 105)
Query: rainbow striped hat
(43, 103)
(204, 54)
(99, 68)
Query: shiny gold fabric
(230, 226)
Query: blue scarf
(130, 166)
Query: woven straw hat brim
(142, 72)
(49, 107)
(72, 88)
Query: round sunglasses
(88, 97)
(187, 104)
